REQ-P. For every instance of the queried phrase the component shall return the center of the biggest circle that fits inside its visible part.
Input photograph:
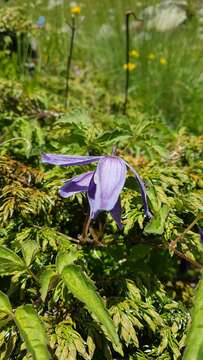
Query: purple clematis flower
(103, 186)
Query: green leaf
(45, 280)
(157, 224)
(10, 263)
(194, 342)
(32, 331)
(5, 305)
(64, 259)
(84, 290)
(29, 249)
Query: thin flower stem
(69, 59)
(127, 56)
(85, 228)
(127, 78)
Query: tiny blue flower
(41, 21)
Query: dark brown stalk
(83, 237)
(69, 59)
(127, 57)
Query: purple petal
(67, 160)
(76, 185)
(106, 184)
(116, 214)
(142, 190)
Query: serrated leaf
(10, 263)
(45, 280)
(84, 290)
(156, 225)
(32, 331)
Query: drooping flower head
(103, 186)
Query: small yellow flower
(162, 60)
(75, 9)
(151, 56)
(129, 66)
(134, 53)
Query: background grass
(173, 91)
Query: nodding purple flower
(103, 186)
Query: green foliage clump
(13, 20)
(134, 271)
